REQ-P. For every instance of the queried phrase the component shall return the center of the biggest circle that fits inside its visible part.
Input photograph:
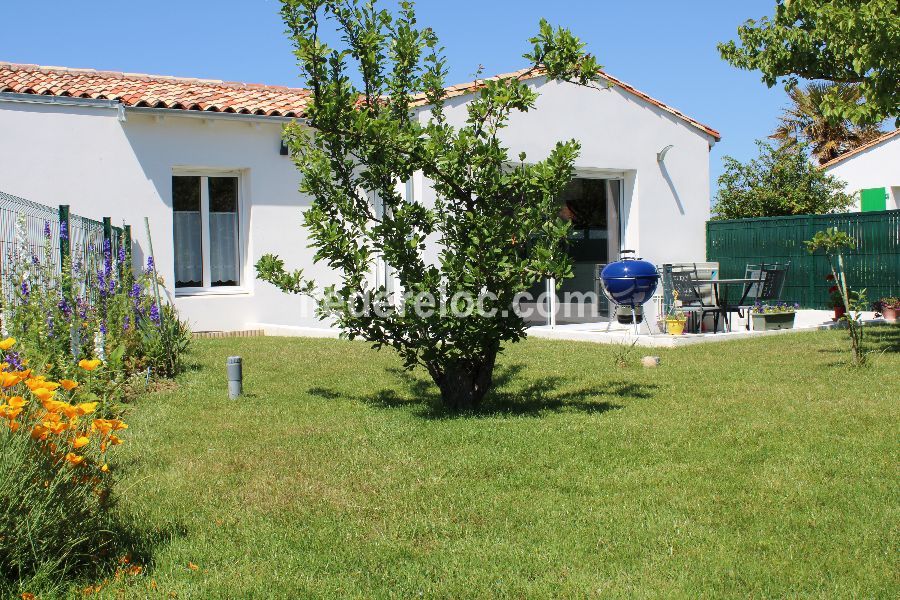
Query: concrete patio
(806, 320)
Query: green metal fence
(873, 264)
(28, 230)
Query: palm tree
(828, 138)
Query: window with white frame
(206, 231)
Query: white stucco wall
(85, 157)
(875, 167)
(666, 205)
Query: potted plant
(675, 318)
(888, 308)
(835, 299)
(769, 317)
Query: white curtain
(223, 248)
(188, 248)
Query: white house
(872, 173)
(201, 159)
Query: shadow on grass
(140, 543)
(538, 396)
(878, 339)
(884, 338)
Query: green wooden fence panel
(873, 264)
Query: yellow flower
(43, 394)
(7, 344)
(68, 384)
(86, 408)
(89, 365)
(105, 468)
(81, 441)
(74, 459)
(17, 402)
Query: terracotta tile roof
(859, 149)
(156, 91)
(524, 74)
(160, 91)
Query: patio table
(720, 290)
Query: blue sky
(665, 48)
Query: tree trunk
(464, 384)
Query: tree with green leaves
(781, 181)
(804, 122)
(843, 41)
(494, 221)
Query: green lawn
(760, 468)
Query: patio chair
(692, 298)
(768, 288)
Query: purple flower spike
(154, 313)
(47, 229)
(63, 230)
(150, 264)
(64, 308)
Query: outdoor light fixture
(661, 155)
(283, 150)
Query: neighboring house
(872, 173)
(203, 160)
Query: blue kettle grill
(629, 283)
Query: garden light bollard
(235, 376)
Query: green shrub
(55, 483)
(93, 307)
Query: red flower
(832, 289)
(829, 277)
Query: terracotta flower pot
(889, 314)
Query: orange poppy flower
(39, 432)
(14, 426)
(42, 393)
(54, 406)
(74, 459)
(57, 428)
(68, 384)
(86, 408)
(81, 441)
(7, 344)
(8, 379)
(89, 365)
(17, 401)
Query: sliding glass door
(594, 206)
